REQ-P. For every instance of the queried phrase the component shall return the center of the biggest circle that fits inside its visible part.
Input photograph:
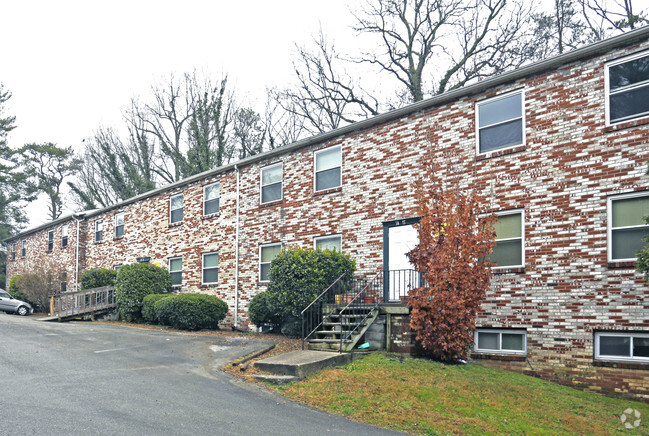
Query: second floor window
(13, 251)
(64, 236)
(99, 230)
(271, 183)
(50, 240)
(500, 122)
(23, 248)
(328, 168)
(119, 225)
(211, 195)
(176, 208)
(628, 88)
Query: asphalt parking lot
(91, 378)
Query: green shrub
(260, 311)
(97, 278)
(148, 307)
(297, 276)
(191, 311)
(15, 290)
(136, 281)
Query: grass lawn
(424, 397)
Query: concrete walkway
(299, 364)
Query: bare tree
(559, 30)
(282, 126)
(467, 39)
(325, 96)
(605, 18)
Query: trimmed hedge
(148, 307)
(97, 278)
(136, 281)
(191, 311)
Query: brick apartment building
(559, 148)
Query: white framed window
(99, 230)
(626, 346)
(626, 225)
(119, 225)
(13, 251)
(176, 270)
(509, 251)
(50, 240)
(500, 122)
(176, 208)
(271, 183)
(627, 88)
(23, 248)
(64, 236)
(117, 266)
(501, 341)
(211, 196)
(210, 268)
(267, 253)
(328, 168)
(331, 242)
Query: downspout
(76, 267)
(236, 257)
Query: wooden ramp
(81, 304)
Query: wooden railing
(85, 302)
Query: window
(117, 267)
(64, 281)
(622, 346)
(23, 248)
(210, 268)
(271, 183)
(119, 225)
(333, 242)
(176, 270)
(64, 236)
(99, 230)
(509, 249)
(13, 251)
(50, 240)
(500, 122)
(628, 88)
(211, 199)
(627, 226)
(328, 172)
(267, 253)
(176, 208)
(501, 341)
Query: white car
(10, 305)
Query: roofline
(597, 48)
(46, 225)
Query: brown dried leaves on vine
(453, 243)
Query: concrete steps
(297, 365)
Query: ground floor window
(210, 268)
(267, 253)
(176, 270)
(622, 346)
(333, 243)
(501, 341)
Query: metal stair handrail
(314, 313)
(355, 308)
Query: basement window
(627, 88)
(622, 346)
(503, 341)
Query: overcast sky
(74, 65)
